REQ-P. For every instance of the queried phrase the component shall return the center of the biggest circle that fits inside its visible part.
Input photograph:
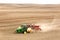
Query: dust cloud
(46, 27)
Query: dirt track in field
(12, 15)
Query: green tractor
(23, 29)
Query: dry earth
(12, 15)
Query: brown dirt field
(12, 15)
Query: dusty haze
(12, 15)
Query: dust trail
(54, 25)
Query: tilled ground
(11, 16)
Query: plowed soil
(12, 15)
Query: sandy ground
(12, 15)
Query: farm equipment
(27, 28)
